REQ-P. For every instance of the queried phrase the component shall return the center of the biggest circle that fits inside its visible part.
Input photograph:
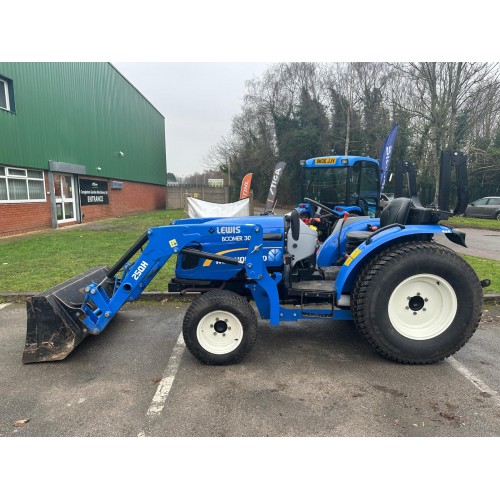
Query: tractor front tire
(220, 328)
(417, 302)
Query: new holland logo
(274, 255)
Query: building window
(19, 185)
(6, 94)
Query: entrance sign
(93, 192)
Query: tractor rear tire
(417, 302)
(220, 328)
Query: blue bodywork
(165, 241)
(364, 252)
(257, 245)
(227, 237)
(334, 247)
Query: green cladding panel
(84, 113)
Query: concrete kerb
(489, 298)
(151, 296)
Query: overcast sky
(198, 101)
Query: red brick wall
(17, 218)
(134, 197)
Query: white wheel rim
(219, 332)
(422, 307)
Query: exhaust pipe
(54, 326)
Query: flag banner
(245, 186)
(385, 155)
(278, 170)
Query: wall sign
(93, 192)
(215, 182)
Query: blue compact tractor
(415, 301)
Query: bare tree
(440, 105)
(342, 90)
(444, 98)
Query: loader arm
(55, 329)
(163, 242)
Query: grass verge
(457, 222)
(40, 261)
(486, 269)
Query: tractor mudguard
(364, 252)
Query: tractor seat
(395, 212)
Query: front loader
(415, 301)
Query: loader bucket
(53, 327)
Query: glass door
(64, 190)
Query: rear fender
(360, 257)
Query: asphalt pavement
(310, 378)
(480, 243)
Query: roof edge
(136, 89)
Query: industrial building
(78, 142)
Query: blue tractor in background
(339, 183)
(342, 183)
(415, 301)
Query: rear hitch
(485, 283)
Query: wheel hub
(422, 306)
(220, 326)
(219, 332)
(416, 303)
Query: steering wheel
(328, 210)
